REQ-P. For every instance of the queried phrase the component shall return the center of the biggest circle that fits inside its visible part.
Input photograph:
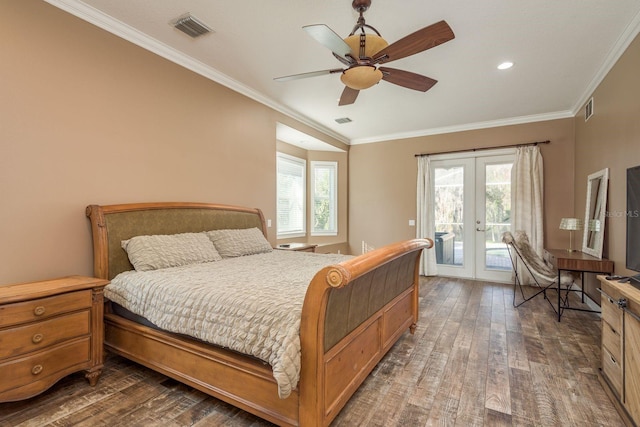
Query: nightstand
(48, 330)
(300, 247)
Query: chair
(544, 276)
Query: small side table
(580, 262)
(48, 330)
(300, 247)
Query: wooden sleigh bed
(353, 313)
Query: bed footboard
(352, 315)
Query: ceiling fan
(362, 53)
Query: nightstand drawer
(38, 366)
(612, 369)
(611, 340)
(42, 308)
(34, 336)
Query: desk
(580, 262)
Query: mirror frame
(595, 209)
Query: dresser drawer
(68, 356)
(612, 368)
(42, 308)
(34, 336)
(611, 312)
(612, 340)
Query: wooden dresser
(620, 304)
(48, 330)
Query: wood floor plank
(472, 397)
(523, 406)
(498, 395)
(474, 360)
(517, 357)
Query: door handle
(480, 229)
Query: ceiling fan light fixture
(361, 77)
(373, 44)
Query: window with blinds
(324, 188)
(291, 193)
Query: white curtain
(425, 223)
(527, 189)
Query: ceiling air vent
(191, 26)
(588, 110)
(343, 120)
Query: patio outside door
(472, 208)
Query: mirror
(595, 211)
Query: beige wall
(611, 139)
(86, 117)
(382, 181)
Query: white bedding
(250, 304)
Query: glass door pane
(493, 217)
(497, 215)
(453, 216)
(449, 214)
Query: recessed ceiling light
(505, 65)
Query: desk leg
(559, 308)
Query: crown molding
(126, 32)
(621, 45)
(467, 127)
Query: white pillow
(163, 251)
(239, 242)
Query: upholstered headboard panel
(112, 224)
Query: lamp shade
(571, 224)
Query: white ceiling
(561, 50)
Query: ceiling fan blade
(328, 38)
(407, 79)
(421, 40)
(306, 75)
(348, 96)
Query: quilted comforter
(250, 304)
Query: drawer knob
(37, 338)
(36, 369)
(39, 310)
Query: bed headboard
(114, 223)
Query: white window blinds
(291, 195)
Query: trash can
(444, 247)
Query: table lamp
(571, 224)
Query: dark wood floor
(474, 360)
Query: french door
(472, 208)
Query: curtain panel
(425, 223)
(527, 184)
